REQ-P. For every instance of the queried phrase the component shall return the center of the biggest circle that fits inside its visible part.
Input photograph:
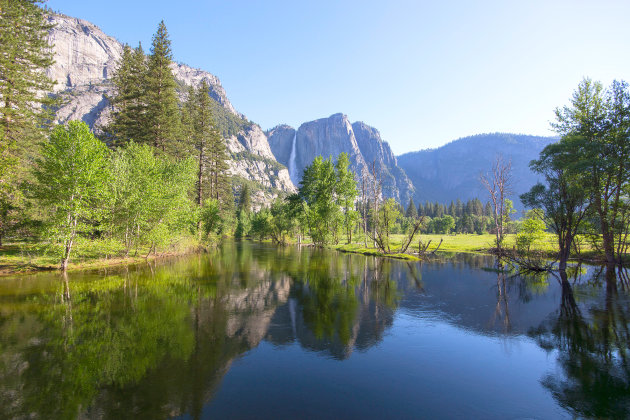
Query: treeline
(157, 174)
(457, 217)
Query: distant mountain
(452, 171)
(332, 136)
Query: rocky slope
(332, 136)
(86, 58)
(452, 171)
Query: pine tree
(245, 200)
(203, 139)
(411, 212)
(162, 111)
(24, 55)
(129, 101)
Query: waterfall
(292, 168)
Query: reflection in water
(591, 342)
(157, 340)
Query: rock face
(335, 135)
(452, 171)
(85, 60)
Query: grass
(360, 249)
(25, 257)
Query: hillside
(452, 171)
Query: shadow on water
(156, 340)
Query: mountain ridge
(452, 171)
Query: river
(256, 331)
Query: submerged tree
(563, 200)
(599, 122)
(499, 185)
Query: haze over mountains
(452, 171)
(272, 162)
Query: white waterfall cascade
(292, 168)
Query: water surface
(255, 331)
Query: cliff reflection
(156, 340)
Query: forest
(155, 179)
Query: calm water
(254, 331)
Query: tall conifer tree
(129, 102)
(24, 56)
(162, 111)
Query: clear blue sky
(422, 72)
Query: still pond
(255, 331)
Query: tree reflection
(156, 340)
(592, 347)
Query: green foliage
(564, 199)
(24, 112)
(129, 102)
(162, 112)
(211, 220)
(532, 229)
(444, 224)
(149, 196)
(346, 193)
(71, 177)
(598, 122)
(317, 189)
(412, 211)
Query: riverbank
(28, 258)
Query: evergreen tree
(128, 103)
(163, 118)
(411, 210)
(24, 55)
(245, 200)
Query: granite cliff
(86, 58)
(332, 136)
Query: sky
(422, 72)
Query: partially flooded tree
(499, 185)
(563, 200)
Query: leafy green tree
(150, 196)
(444, 224)
(532, 230)
(243, 213)
(385, 219)
(24, 55)
(564, 199)
(601, 121)
(317, 189)
(261, 223)
(162, 110)
(346, 194)
(71, 176)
